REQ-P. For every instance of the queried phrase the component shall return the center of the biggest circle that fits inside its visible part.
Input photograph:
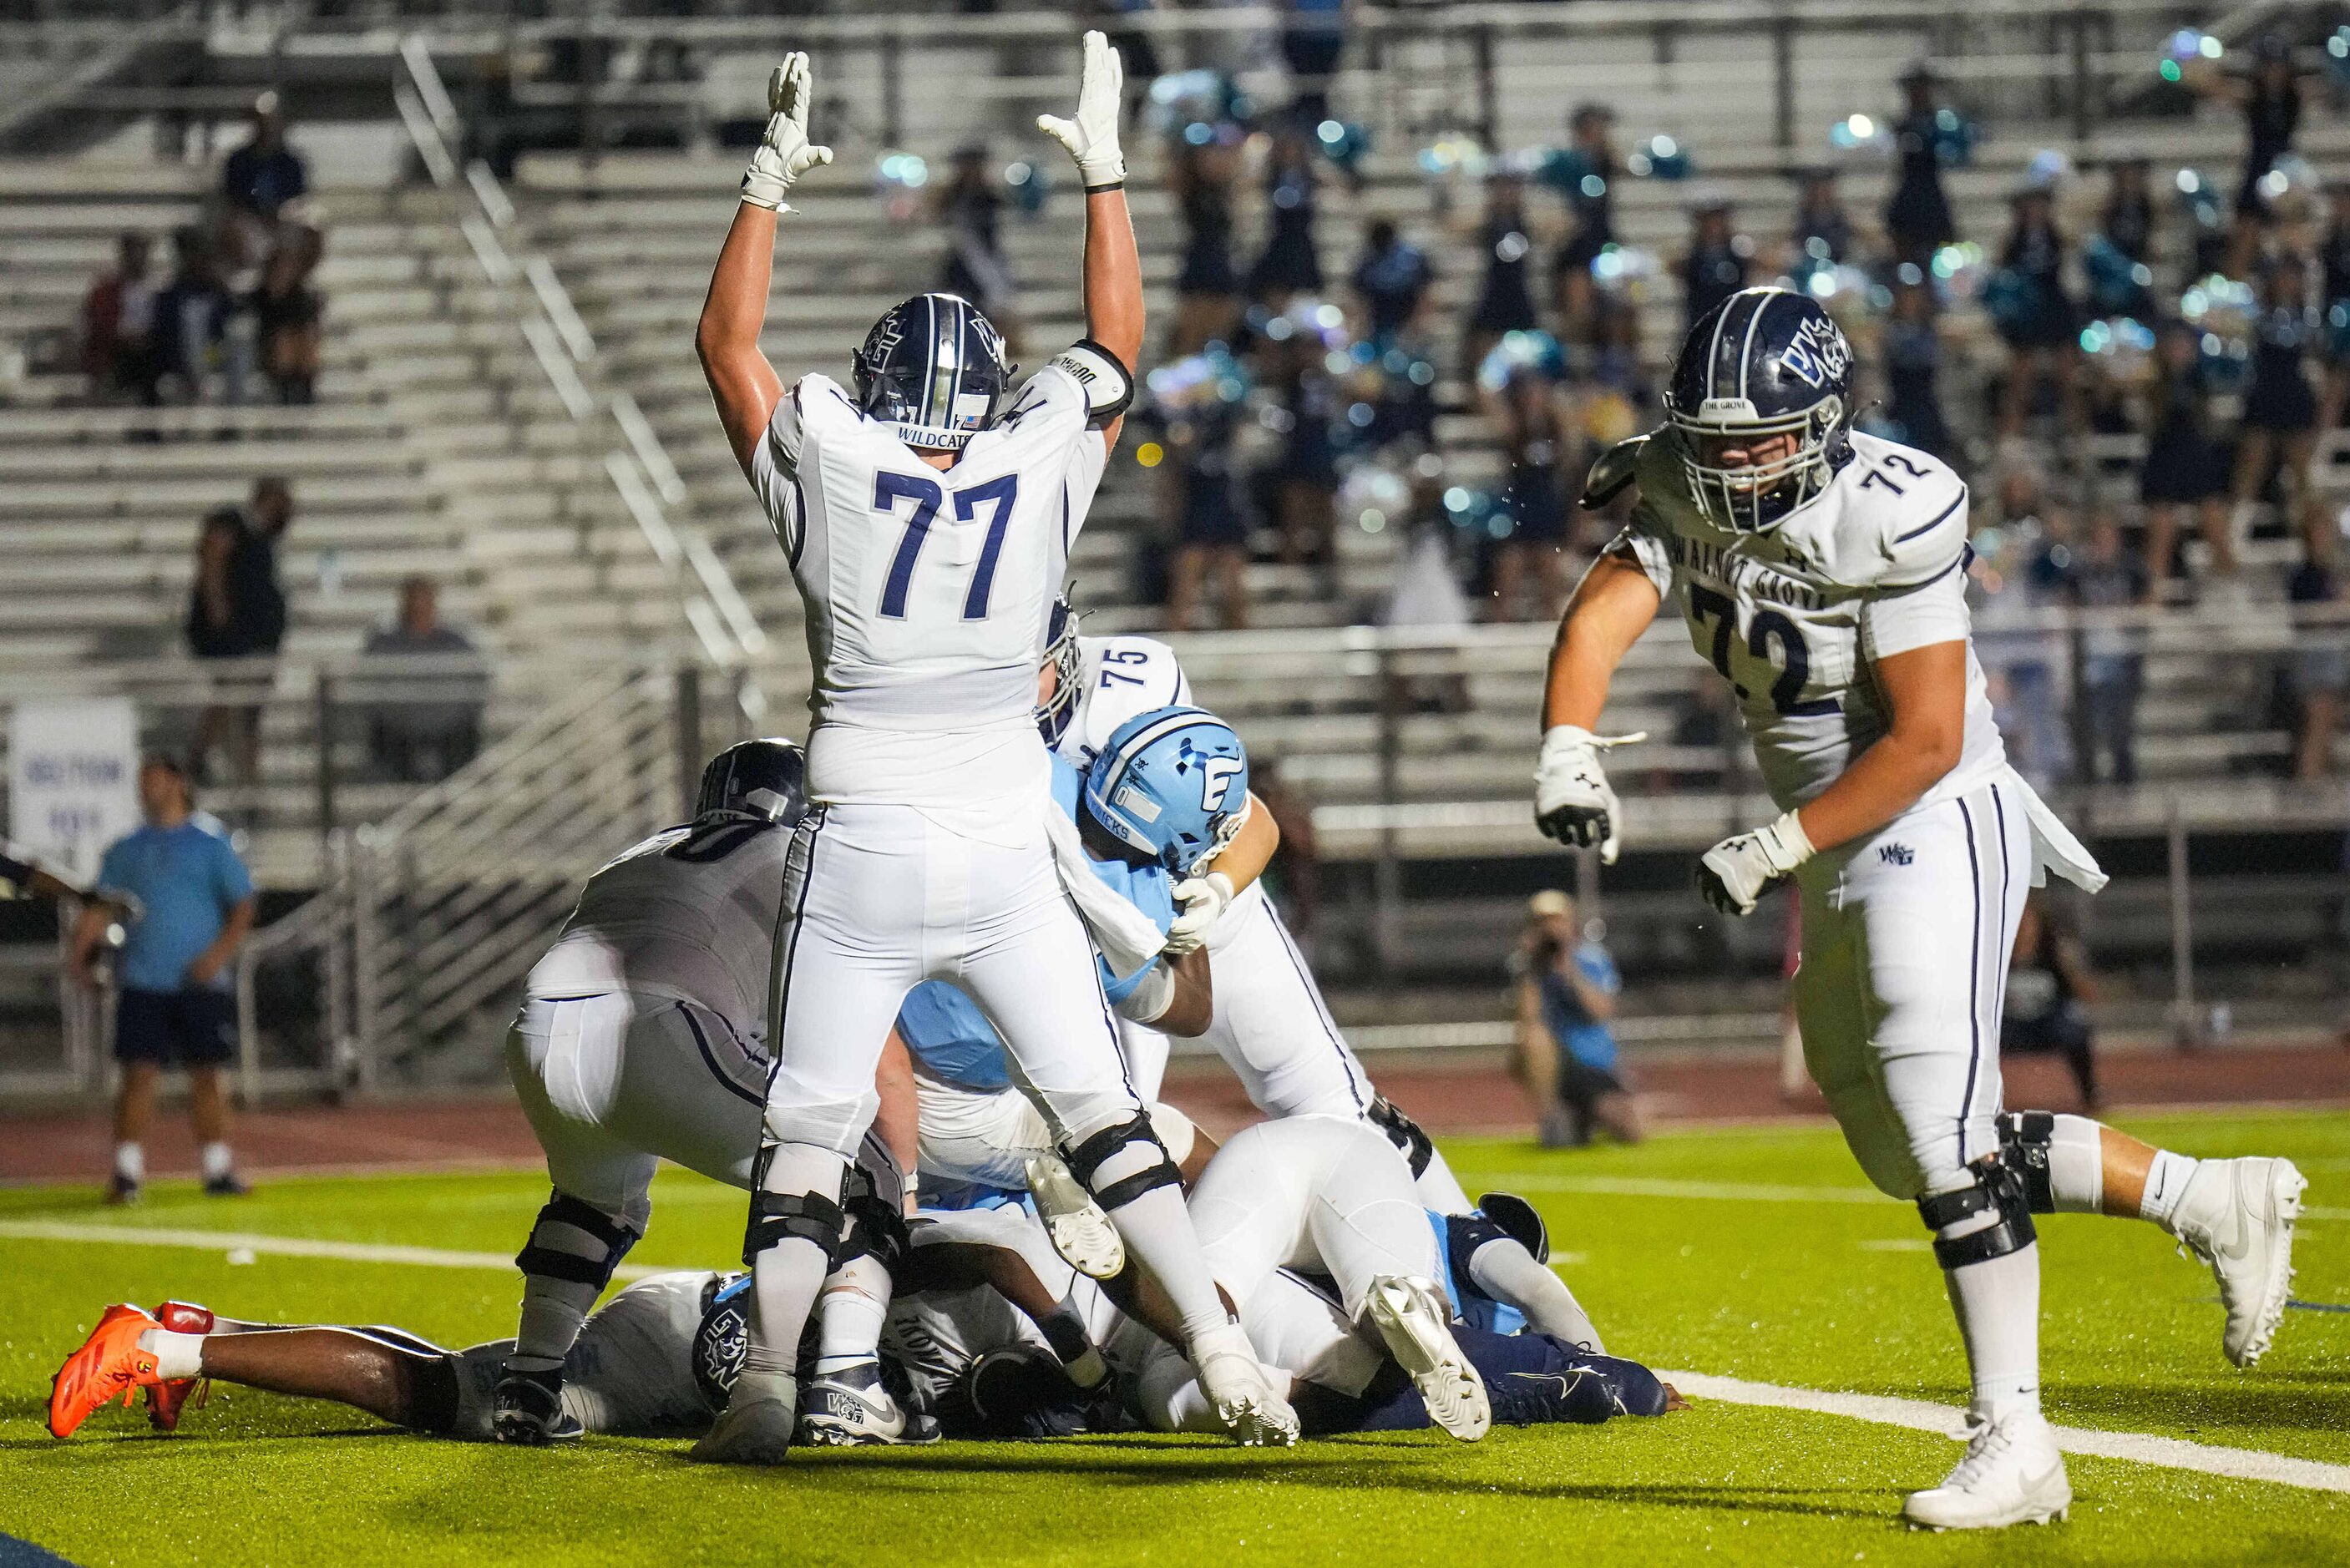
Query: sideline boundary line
(1918, 1415)
(1730, 1191)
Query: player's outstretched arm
(743, 384)
(1113, 266)
(1611, 607)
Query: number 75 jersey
(926, 589)
(1795, 617)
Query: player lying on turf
(927, 519)
(640, 1039)
(1270, 1024)
(1822, 573)
(1284, 1191)
(653, 1361)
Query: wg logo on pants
(1897, 853)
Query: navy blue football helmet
(766, 780)
(1061, 652)
(933, 368)
(1764, 362)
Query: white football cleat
(756, 1428)
(2012, 1474)
(1411, 1318)
(851, 1409)
(2237, 1215)
(1081, 1233)
(1240, 1391)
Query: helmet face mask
(934, 369)
(1766, 368)
(1063, 656)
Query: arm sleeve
(1639, 543)
(1902, 619)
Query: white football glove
(1735, 873)
(1204, 900)
(1092, 136)
(1572, 801)
(785, 152)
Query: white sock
(787, 1276)
(1157, 1230)
(1505, 1271)
(130, 1162)
(2076, 1166)
(217, 1161)
(849, 1312)
(1998, 1306)
(1088, 1369)
(176, 1354)
(2165, 1183)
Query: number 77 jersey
(1795, 617)
(927, 590)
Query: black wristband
(1113, 185)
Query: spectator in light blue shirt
(1567, 989)
(176, 1003)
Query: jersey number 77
(928, 496)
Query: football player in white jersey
(1822, 573)
(927, 527)
(1270, 1024)
(640, 1039)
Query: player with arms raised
(929, 532)
(1822, 573)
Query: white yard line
(1724, 1192)
(2170, 1453)
(280, 1246)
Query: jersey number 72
(889, 489)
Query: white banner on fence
(73, 777)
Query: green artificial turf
(1763, 1285)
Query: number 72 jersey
(1797, 617)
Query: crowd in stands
(237, 320)
(2167, 361)
(236, 317)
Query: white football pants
(878, 898)
(1906, 935)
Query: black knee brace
(1995, 1187)
(779, 1217)
(1086, 1159)
(2024, 1139)
(876, 1222)
(1404, 1133)
(554, 1263)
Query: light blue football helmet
(1172, 785)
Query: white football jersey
(1124, 677)
(1794, 617)
(689, 913)
(927, 590)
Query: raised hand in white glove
(1092, 136)
(1572, 802)
(785, 152)
(1735, 873)
(1204, 900)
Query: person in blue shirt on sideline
(1566, 987)
(177, 1002)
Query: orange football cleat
(166, 1400)
(108, 1363)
